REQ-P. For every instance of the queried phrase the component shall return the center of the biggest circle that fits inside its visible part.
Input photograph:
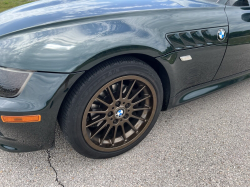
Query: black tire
(74, 105)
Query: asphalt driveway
(202, 143)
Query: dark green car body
(58, 41)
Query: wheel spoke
(106, 134)
(130, 89)
(103, 102)
(139, 109)
(97, 112)
(95, 122)
(137, 93)
(111, 94)
(98, 129)
(137, 102)
(137, 117)
(121, 89)
(113, 139)
(123, 132)
(132, 126)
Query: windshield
(216, 1)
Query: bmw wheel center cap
(119, 113)
(221, 34)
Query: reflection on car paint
(26, 31)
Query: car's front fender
(66, 46)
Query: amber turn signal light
(21, 119)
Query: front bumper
(42, 95)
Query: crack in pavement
(49, 161)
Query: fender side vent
(195, 38)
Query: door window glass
(238, 3)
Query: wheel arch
(151, 61)
(162, 73)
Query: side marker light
(21, 119)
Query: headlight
(12, 82)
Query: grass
(8, 4)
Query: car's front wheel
(112, 107)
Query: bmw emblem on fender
(221, 34)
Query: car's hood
(49, 11)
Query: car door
(237, 57)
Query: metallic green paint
(42, 95)
(207, 88)
(201, 69)
(236, 59)
(59, 44)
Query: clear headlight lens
(12, 82)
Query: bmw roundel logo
(120, 113)
(221, 34)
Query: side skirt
(198, 91)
